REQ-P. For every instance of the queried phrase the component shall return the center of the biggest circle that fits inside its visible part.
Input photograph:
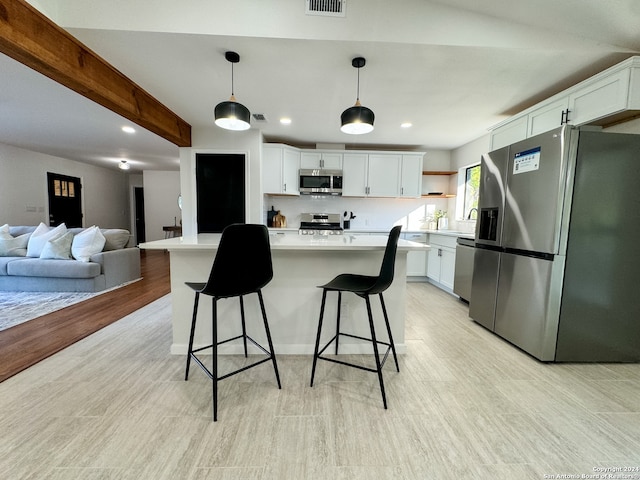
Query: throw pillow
(13, 247)
(41, 235)
(87, 243)
(58, 248)
(116, 238)
(4, 229)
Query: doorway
(141, 235)
(221, 190)
(65, 200)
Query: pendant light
(357, 120)
(232, 115)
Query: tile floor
(466, 405)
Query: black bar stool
(242, 266)
(363, 286)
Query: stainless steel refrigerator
(557, 263)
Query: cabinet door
(354, 175)
(416, 261)
(384, 175)
(332, 161)
(310, 160)
(271, 169)
(411, 176)
(547, 117)
(433, 263)
(290, 172)
(328, 161)
(599, 99)
(509, 133)
(447, 267)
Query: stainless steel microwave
(320, 182)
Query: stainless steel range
(320, 224)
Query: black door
(141, 236)
(220, 184)
(65, 202)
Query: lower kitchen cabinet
(416, 261)
(441, 262)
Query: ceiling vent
(259, 117)
(327, 8)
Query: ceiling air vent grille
(329, 8)
(259, 117)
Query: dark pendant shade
(232, 115)
(357, 120)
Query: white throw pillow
(87, 243)
(58, 248)
(13, 247)
(41, 235)
(4, 229)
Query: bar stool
(363, 286)
(242, 266)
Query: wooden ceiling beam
(29, 37)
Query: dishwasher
(465, 247)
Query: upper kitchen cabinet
(382, 175)
(325, 160)
(280, 169)
(606, 98)
(411, 176)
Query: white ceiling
(453, 68)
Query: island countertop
(351, 242)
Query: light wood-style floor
(466, 405)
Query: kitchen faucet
(471, 211)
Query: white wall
(161, 190)
(23, 187)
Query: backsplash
(370, 213)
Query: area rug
(19, 307)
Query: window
(471, 191)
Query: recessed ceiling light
(285, 121)
(406, 125)
(128, 129)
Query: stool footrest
(246, 367)
(361, 367)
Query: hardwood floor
(30, 342)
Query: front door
(65, 202)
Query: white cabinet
(510, 132)
(441, 262)
(600, 98)
(605, 98)
(280, 166)
(411, 176)
(371, 175)
(383, 177)
(326, 160)
(416, 260)
(354, 174)
(548, 116)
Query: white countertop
(348, 241)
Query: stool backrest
(243, 261)
(388, 262)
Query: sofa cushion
(21, 230)
(13, 246)
(115, 238)
(59, 247)
(41, 235)
(36, 267)
(87, 243)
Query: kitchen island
(292, 299)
